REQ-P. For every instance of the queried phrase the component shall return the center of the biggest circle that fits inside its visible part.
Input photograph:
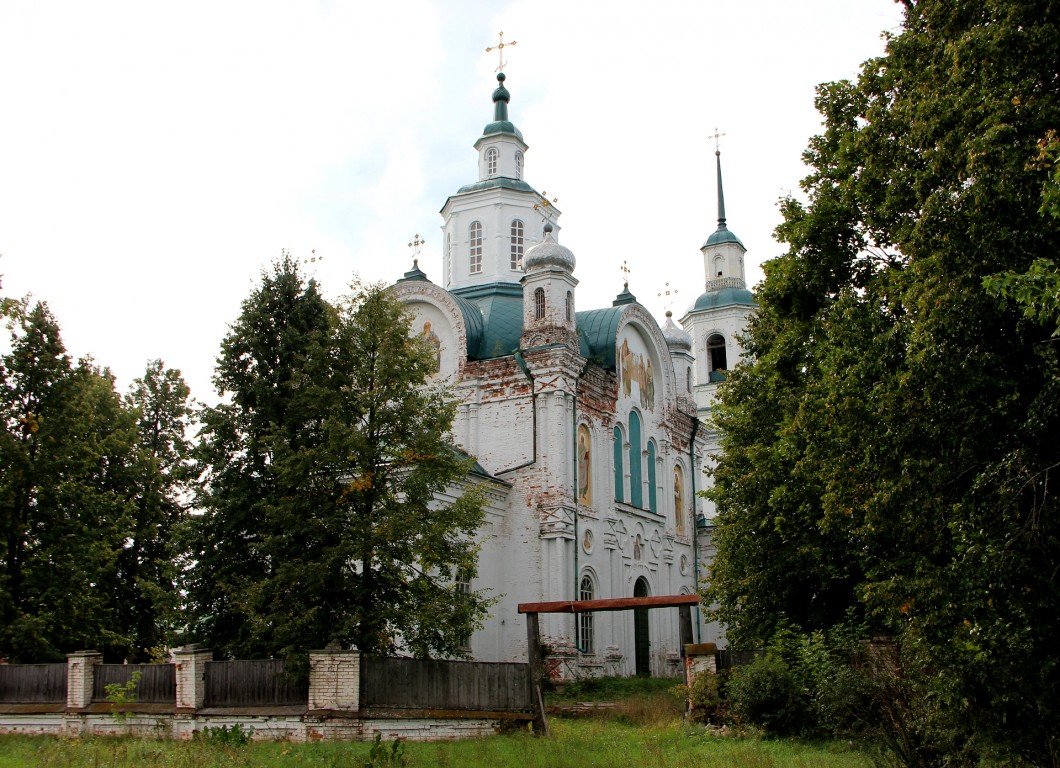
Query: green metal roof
(499, 310)
(502, 126)
(498, 182)
(597, 333)
(723, 235)
(724, 298)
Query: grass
(574, 743)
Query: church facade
(589, 426)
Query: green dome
(724, 298)
(723, 235)
(501, 123)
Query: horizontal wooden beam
(611, 604)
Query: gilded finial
(416, 245)
(499, 48)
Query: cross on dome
(499, 48)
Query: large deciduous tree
(891, 448)
(325, 520)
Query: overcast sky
(155, 156)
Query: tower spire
(721, 193)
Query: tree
(889, 448)
(65, 453)
(148, 600)
(283, 324)
(324, 513)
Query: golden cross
(415, 246)
(717, 140)
(669, 293)
(625, 273)
(545, 206)
(499, 48)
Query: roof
(597, 332)
(724, 298)
(498, 182)
(497, 311)
(723, 235)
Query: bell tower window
(539, 304)
(570, 306)
(475, 247)
(716, 353)
(517, 245)
(518, 165)
(491, 162)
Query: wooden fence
(253, 684)
(424, 684)
(32, 683)
(157, 685)
(727, 658)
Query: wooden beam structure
(533, 633)
(610, 604)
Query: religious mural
(636, 374)
(435, 343)
(585, 463)
(680, 512)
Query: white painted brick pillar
(191, 676)
(699, 657)
(335, 680)
(80, 676)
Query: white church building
(590, 426)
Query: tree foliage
(890, 446)
(65, 453)
(325, 474)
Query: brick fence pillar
(699, 658)
(191, 676)
(335, 680)
(80, 677)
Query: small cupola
(548, 294)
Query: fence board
(428, 684)
(253, 684)
(158, 682)
(33, 683)
(727, 658)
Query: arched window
(462, 583)
(688, 379)
(449, 255)
(518, 165)
(539, 304)
(620, 479)
(491, 161)
(570, 306)
(652, 498)
(517, 245)
(475, 247)
(716, 354)
(679, 501)
(585, 620)
(636, 482)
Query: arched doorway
(641, 635)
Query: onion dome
(676, 339)
(549, 253)
(501, 123)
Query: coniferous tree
(322, 520)
(66, 452)
(148, 600)
(890, 447)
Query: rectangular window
(475, 248)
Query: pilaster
(335, 680)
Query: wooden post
(533, 654)
(684, 613)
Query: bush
(766, 694)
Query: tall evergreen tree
(148, 600)
(323, 475)
(891, 444)
(65, 507)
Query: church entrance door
(641, 635)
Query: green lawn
(574, 743)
